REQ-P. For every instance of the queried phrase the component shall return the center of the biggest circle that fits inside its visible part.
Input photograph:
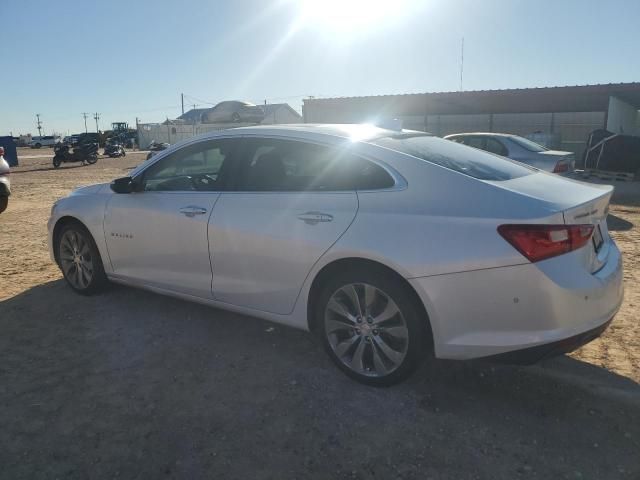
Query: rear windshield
(454, 156)
(528, 144)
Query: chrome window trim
(400, 182)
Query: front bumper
(539, 308)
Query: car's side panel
(263, 244)
(150, 239)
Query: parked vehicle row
(520, 149)
(391, 246)
(44, 141)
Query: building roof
(193, 115)
(579, 98)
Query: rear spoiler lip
(593, 212)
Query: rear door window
(268, 164)
(475, 163)
(475, 142)
(495, 146)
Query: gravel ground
(134, 385)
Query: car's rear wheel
(235, 117)
(4, 202)
(80, 260)
(371, 327)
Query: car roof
(481, 134)
(353, 131)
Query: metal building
(561, 117)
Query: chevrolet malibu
(391, 246)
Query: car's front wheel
(79, 259)
(372, 327)
(4, 203)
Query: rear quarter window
(459, 158)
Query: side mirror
(124, 185)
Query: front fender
(86, 207)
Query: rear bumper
(535, 354)
(529, 310)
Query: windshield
(528, 144)
(454, 156)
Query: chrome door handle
(192, 211)
(312, 218)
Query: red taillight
(561, 167)
(538, 242)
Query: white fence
(172, 133)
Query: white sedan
(392, 246)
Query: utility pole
(137, 142)
(85, 115)
(182, 102)
(39, 125)
(96, 116)
(461, 62)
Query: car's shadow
(617, 224)
(146, 386)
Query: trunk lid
(578, 202)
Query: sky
(132, 59)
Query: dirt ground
(130, 384)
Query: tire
(38, 145)
(369, 342)
(4, 203)
(235, 117)
(79, 259)
(92, 159)
(57, 161)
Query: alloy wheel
(366, 330)
(76, 259)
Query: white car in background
(44, 141)
(520, 149)
(392, 246)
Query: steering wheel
(203, 181)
